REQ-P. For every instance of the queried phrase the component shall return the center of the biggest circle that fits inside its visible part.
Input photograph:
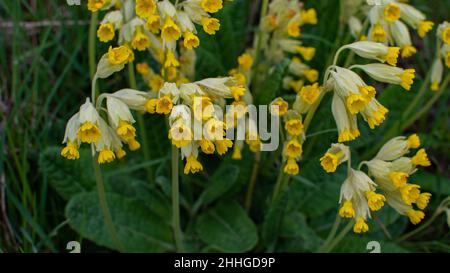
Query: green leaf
(272, 222)
(298, 235)
(67, 177)
(221, 182)
(138, 228)
(227, 228)
(273, 83)
(150, 196)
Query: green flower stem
(339, 238)
(429, 104)
(176, 201)
(92, 40)
(252, 184)
(332, 233)
(104, 205)
(438, 211)
(259, 40)
(141, 124)
(97, 171)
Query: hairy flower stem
(104, 205)
(259, 41)
(97, 171)
(328, 248)
(141, 123)
(92, 40)
(176, 201)
(252, 184)
(332, 233)
(438, 211)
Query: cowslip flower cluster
(282, 26)
(389, 21)
(352, 96)
(109, 134)
(195, 117)
(292, 147)
(442, 55)
(388, 172)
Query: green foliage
(272, 85)
(227, 228)
(139, 229)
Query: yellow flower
(145, 8)
(125, 130)
(424, 27)
(330, 161)
(207, 146)
(192, 165)
(150, 106)
(140, 41)
(379, 34)
(293, 29)
(355, 103)
(171, 61)
(156, 82)
(375, 200)
(407, 78)
(89, 132)
(164, 105)
(203, 109)
(170, 31)
(306, 52)
(392, 56)
(408, 51)
(211, 6)
(70, 151)
(360, 226)
(399, 178)
(254, 145)
(133, 145)
(120, 153)
(410, 193)
(210, 25)
(95, 5)
(106, 32)
(446, 35)
(310, 93)
(153, 23)
(279, 107)
(392, 12)
(311, 75)
(347, 211)
(423, 200)
(190, 40)
(294, 127)
(368, 91)
(415, 216)
(119, 55)
(308, 16)
(413, 141)
(143, 68)
(223, 145)
(237, 155)
(245, 61)
(180, 134)
(237, 92)
(106, 156)
(421, 159)
(293, 149)
(291, 167)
